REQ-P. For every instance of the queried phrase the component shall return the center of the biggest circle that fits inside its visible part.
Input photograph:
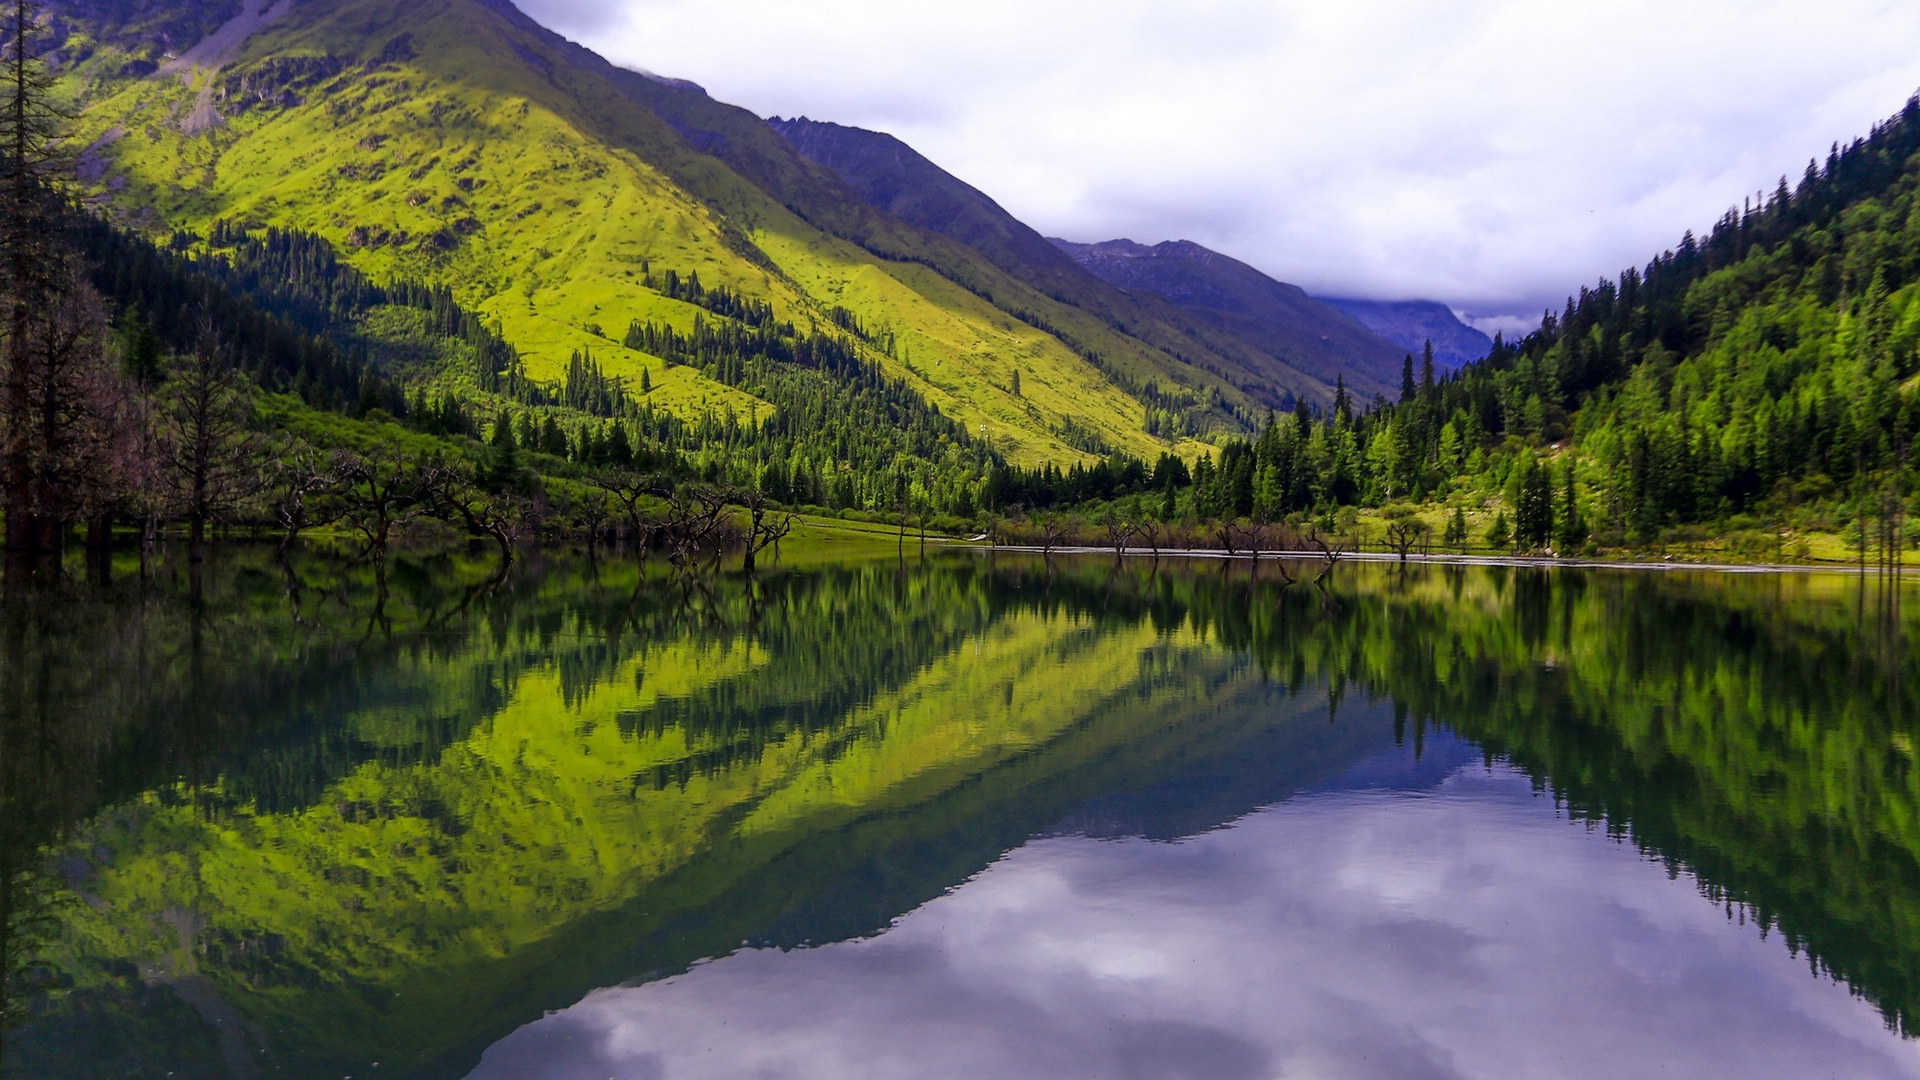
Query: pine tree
(1499, 534)
(29, 128)
(1573, 528)
(1533, 515)
(618, 450)
(1456, 534)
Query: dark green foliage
(1533, 510)
(1778, 351)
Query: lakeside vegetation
(1752, 396)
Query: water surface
(960, 818)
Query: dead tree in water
(1054, 529)
(211, 455)
(301, 485)
(383, 491)
(1329, 552)
(1250, 537)
(594, 515)
(765, 528)
(1120, 533)
(633, 491)
(698, 527)
(457, 499)
(1152, 532)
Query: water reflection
(309, 821)
(1343, 935)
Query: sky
(1340, 936)
(1491, 154)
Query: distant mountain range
(1233, 307)
(1237, 299)
(1410, 324)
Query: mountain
(460, 144)
(1764, 377)
(1239, 300)
(1762, 380)
(890, 175)
(1410, 324)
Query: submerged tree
(212, 455)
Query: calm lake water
(960, 818)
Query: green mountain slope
(1296, 349)
(457, 142)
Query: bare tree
(593, 513)
(1054, 530)
(79, 398)
(301, 484)
(634, 491)
(1248, 536)
(698, 525)
(1152, 532)
(458, 499)
(381, 491)
(211, 454)
(765, 527)
(1330, 552)
(1119, 532)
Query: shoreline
(1505, 561)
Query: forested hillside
(1766, 367)
(437, 231)
(459, 144)
(1758, 386)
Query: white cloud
(1494, 155)
(1344, 935)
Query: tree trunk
(100, 549)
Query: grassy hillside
(456, 142)
(1298, 346)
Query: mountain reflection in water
(960, 817)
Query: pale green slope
(476, 156)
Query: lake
(961, 817)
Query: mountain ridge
(891, 175)
(1242, 300)
(460, 142)
(1411, 324)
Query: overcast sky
(1491, 154)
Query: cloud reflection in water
(1467, 930)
